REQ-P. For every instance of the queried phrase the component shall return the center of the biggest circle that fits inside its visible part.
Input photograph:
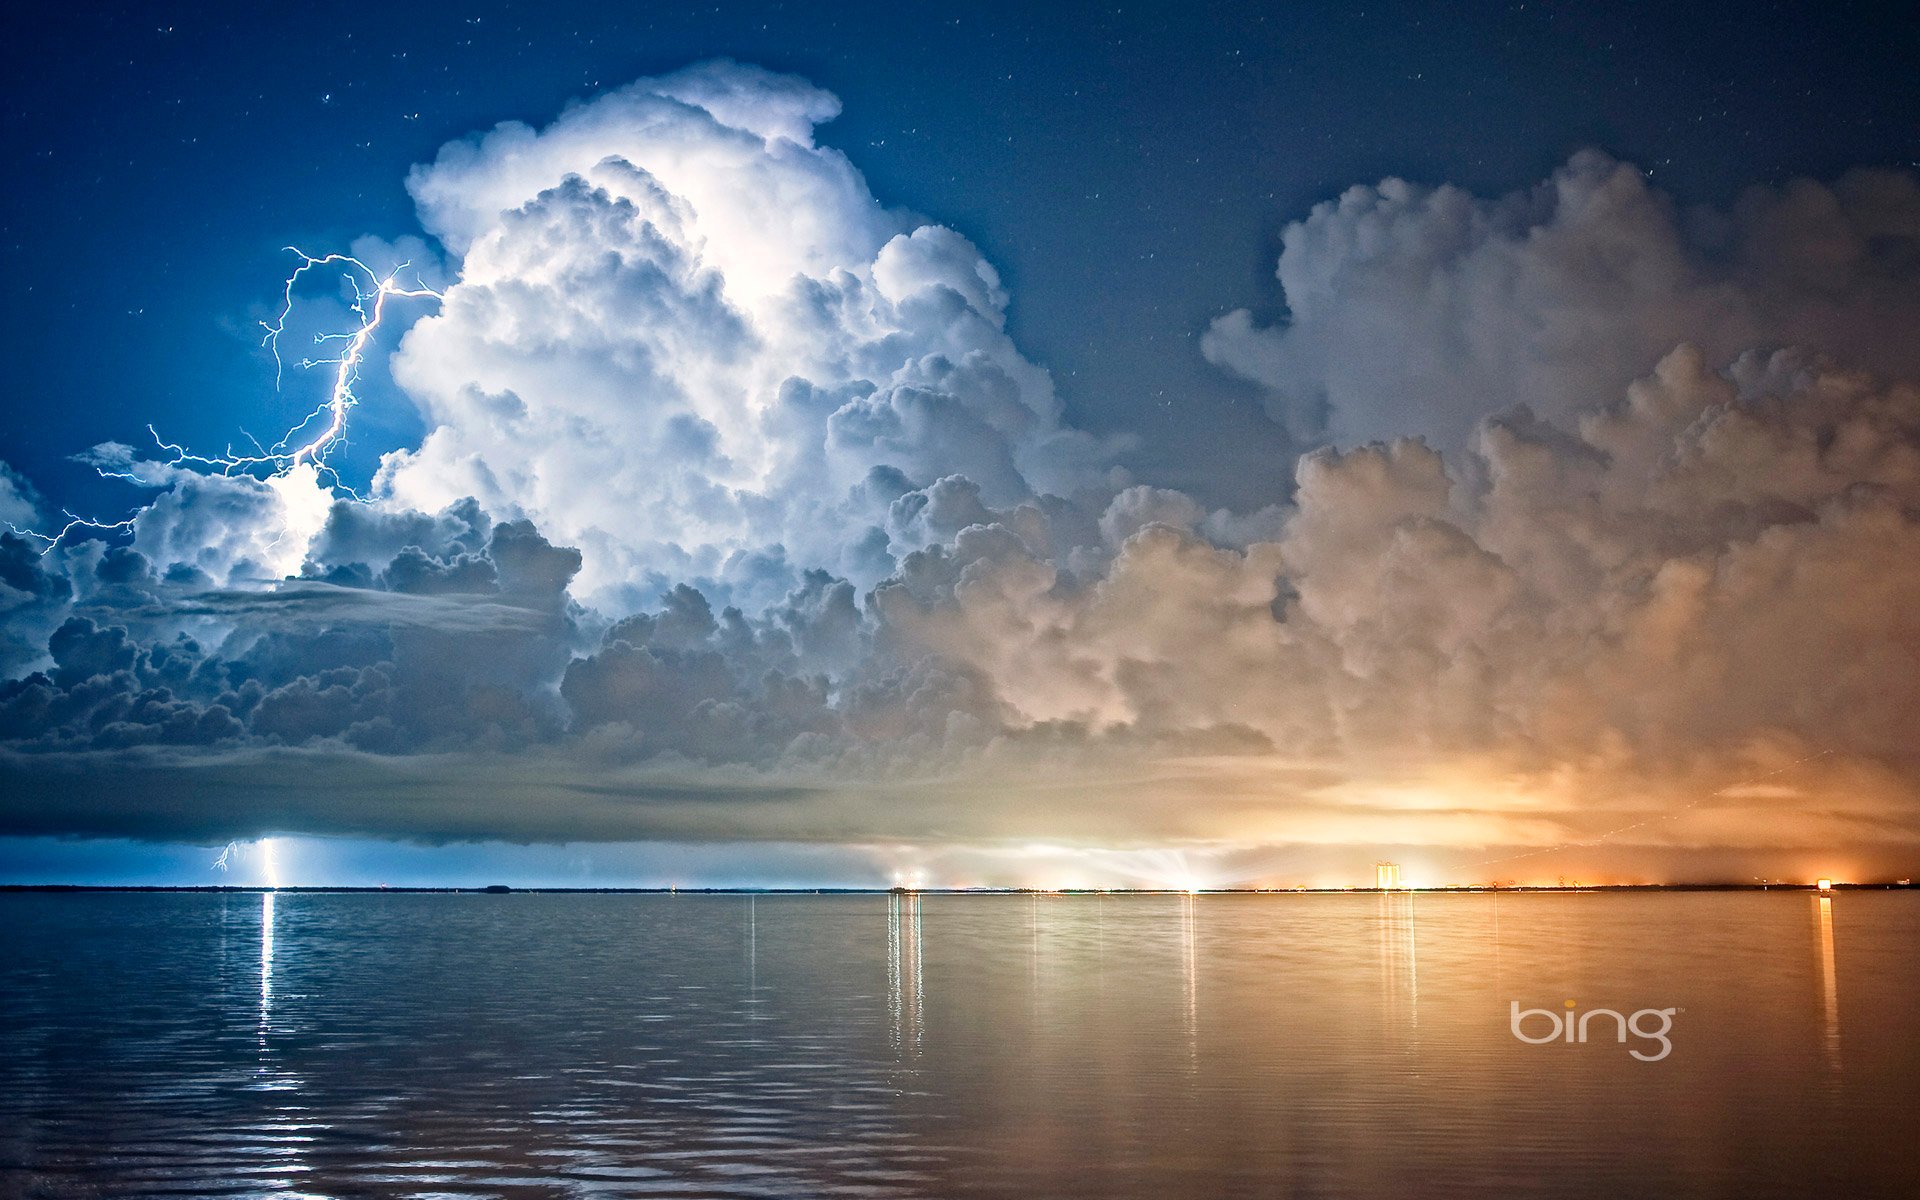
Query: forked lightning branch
(321, 431)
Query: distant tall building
(1386, 875)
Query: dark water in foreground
(1351, 1045)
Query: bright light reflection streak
(266, 965)
(1190, 962)
(1413, 959)
(905, 978)
(895, 994)
(1400, 954)
(1830, 984)
(371, 291)
(1033, 956)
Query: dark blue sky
(1127, 167)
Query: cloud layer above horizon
(740, 515)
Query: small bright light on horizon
(1825, 885)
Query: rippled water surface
(644, 1045)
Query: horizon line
(671, 890)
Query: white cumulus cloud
(691, 342)
(1417, 310)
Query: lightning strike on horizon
(269, 863)
(371, 291)
(265, 851)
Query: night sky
(1126, 167)
(1128, 172)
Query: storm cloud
(1415, 310)
(690, 342)
(740, 515)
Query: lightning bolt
(73, 522)
(232, 852)
(318, 433)
(369, 306)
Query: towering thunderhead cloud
(688, 340)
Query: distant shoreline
(501, 889)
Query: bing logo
(1575, 1027)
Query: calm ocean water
(1021, 1046)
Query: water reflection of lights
(264, 1025)
(1190, 964)
(1033, 953)
(1400, 956)
(905, 979)
(286, 1133)
(1830, 984)
(266, 961)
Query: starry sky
(1126, 177)
(1126, 167)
